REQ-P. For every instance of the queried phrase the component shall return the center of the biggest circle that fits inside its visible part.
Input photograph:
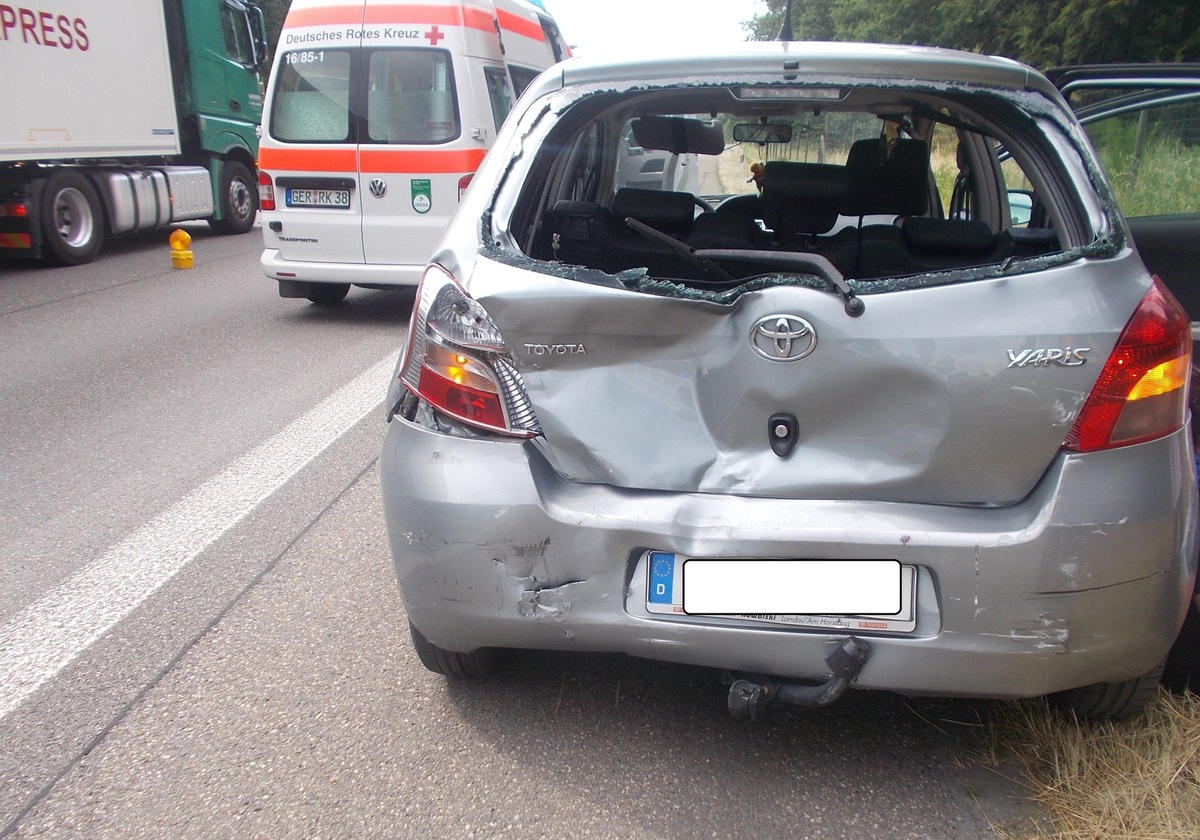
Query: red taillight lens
(463, 183)
(457, 362)
(1142, 392)
(266, 192)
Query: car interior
(863, 184)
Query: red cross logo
(434, 35)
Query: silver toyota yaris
(855, 381)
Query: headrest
(679, 135)
(669, 212)
(948, 236)
(802, 197)
(895, 184)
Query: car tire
(238, 197)
(327, 294)
(1110, 701)
(478, 664)
(72, 219)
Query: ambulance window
(521, 77)
(312, 95)
(499, 93)
(553, 37)
(410, 97)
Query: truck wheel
(238, 197)
(328, 293)
(72, 221)
(1110, 701)
(478, 664)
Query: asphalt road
(200, 634)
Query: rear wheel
(72, 221)
(325, 294)
(478, 664)
(238, 197)
(1110, 701)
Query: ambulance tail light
(457, 362)
(463, 183)
(266, 191)
(1142, 392)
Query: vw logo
(378, 187)
(783, 338)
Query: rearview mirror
(762, 133)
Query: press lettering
(42, 28)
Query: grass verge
(1136, 779)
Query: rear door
(309, 147)
(420, 140)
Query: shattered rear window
(710, 192)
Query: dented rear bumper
(1082, 582)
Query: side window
(312, 95)
(499, 94)
(1021, 197)
(583, 174)
(1152, 155)
(949, 173)
(235, 27)
(521, 77)
(553, 37)
(410, 97)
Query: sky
(596, 27)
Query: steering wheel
(703, 205)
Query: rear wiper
(813, 264)
(689, 254)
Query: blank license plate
(337, 199)
(859, 595)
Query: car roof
(828, 60)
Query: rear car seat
(586, 233)
(895, 182)
(800, 204)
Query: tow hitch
(751, 695)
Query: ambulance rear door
(309, 147)
(531, 40)
(420, 138)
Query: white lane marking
(46, 636)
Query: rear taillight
(1142, 391)
(456, 360)
(463, 183)
(266, 192)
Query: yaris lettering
(1067, 357)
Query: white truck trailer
(119, 117)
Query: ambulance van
(377, 113)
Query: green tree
(1043, 33)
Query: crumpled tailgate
(956, 394)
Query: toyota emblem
(378, 187)
(783, 338)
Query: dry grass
(1134, 780)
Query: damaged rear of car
(892, 403)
